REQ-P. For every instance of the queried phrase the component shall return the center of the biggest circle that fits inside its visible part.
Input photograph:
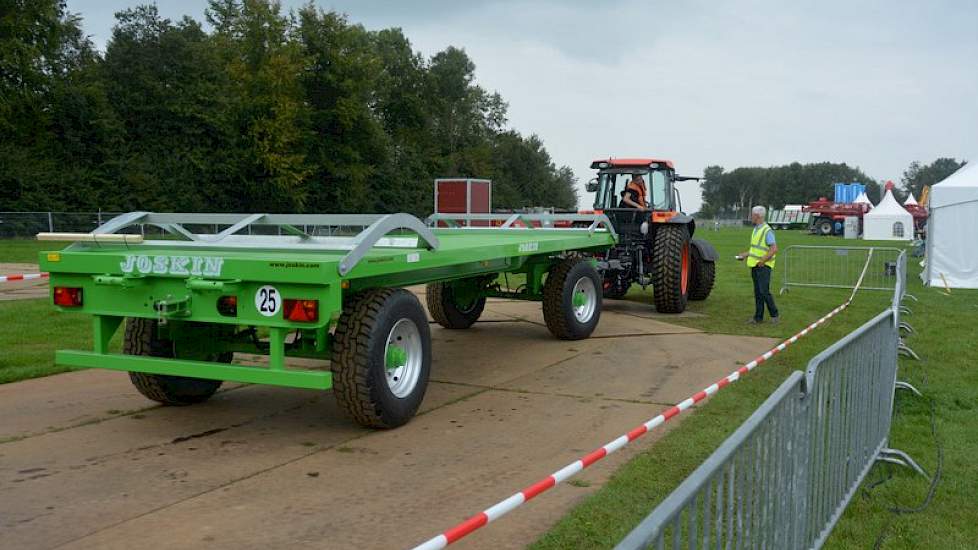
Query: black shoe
(775, 320)
(753, 321)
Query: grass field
(947, 375)
(25, 250)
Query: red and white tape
(22, 277)
(503, 507)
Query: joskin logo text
(172, 265)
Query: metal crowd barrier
(784, 477)
(838, 266)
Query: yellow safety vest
(759, 247)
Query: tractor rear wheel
(671, 261)
(381, 357)
(701, 277)
(142, 338)
(453, 309)
(572, 299)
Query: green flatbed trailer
(319, 286)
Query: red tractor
(655, 245)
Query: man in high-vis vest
(760, 259)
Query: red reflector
(67, 297)
(303, 311)
(228, 306)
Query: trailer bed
(194, 292)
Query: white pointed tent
(952, 230)
(888, 221)
(863, 199)
(910, 200)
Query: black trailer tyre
(824, 227)
(381, 357)
(572, 299)
(702, 275)
(141, 338)
(445, 307)
(670, 260)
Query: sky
(875, 84)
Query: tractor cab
(660, 192)
(614, 175)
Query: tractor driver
(633, 196)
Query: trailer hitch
(171, 307)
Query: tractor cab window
(611, 185)
(658, 183)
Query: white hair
(759, 210)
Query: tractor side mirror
(592, 186)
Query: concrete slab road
(87, 463)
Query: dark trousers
(762, 292)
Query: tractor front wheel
(572, 299)
(671, 271)
(381, 357)
(142, 338)
(702, 276)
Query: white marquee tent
(952, 231)
(910, 200)
(863, 199)
(888, 221)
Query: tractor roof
(629, 163)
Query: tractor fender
(706, 250)
(683, 219)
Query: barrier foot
(782, 291)
(911, 296)
(905, 310)
(906, 326)
(900, 385)
(905, 350)
(896, 456)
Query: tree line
(259, 111)
(729, 194)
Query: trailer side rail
(595, 222)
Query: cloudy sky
(734, 83)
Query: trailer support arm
(379, 229)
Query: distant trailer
(788, 219)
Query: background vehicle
(655, 246)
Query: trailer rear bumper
(313, 380)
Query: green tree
(916, 176)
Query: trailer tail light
(67, 296)
(302, 311)
(228, 306)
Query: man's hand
(761, 262)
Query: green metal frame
(179, 282)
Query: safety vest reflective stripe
(759, 247)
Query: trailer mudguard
(706, 250)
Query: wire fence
(784, 477)
(838, 266)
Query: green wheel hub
(396, 357)
(580, 298)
